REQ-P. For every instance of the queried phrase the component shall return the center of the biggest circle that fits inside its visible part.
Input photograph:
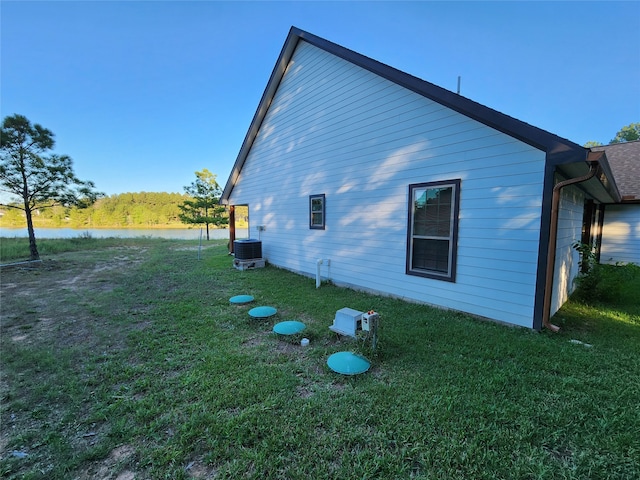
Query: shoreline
(172, 226)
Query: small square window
(317, 211)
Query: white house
(411, 190)
(619, 238)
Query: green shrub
(609, 284)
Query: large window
(317, 211)
(433, 229)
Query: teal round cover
(241, 299)
(262, 312)
(289, 327)
(348, 363)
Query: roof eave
(605, 176)
(558, 150)
(534, 136)
(267, 96)
(602, 186)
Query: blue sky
(143, 94)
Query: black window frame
(452, 238)
(323, 212)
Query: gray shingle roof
(624, 160)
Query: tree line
(628, 133)
(47, 192)
(123, 210)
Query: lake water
(172, 233)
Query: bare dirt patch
(113, 463)
(51, 300)
(194, 249)
(50, 309)
(199, 470)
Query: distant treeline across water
(173, 233)
(124, 210)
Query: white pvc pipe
(318, 263)
(26, 262)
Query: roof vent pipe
(553, 237)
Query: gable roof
(624, 159)
(559, 150)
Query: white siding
(337, 129)
(567, 268)
(621, 234)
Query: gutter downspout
(553, 238)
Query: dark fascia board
(602, 187)
(605, 175)
(558, 150)
(289, 47)
(536, 137)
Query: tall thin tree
(35, 177)
(203, 208)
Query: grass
(16, 249)
(125, 358)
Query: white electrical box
(346, 321)
(368, 320)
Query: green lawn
(124, 359)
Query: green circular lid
(289, 327)
(262, 312)
(241, 299)
(348, 363)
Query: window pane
(420, 221)
(317, 211)
(444, 228)
(430, 255)
(432, 212)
